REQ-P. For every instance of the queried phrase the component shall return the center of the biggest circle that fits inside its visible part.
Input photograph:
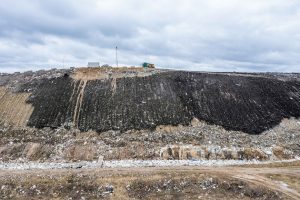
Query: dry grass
(137, 184)
(13, 107)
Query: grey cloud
(211, 35)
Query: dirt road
(273, 181)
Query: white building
(93, 64)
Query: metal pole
(117, 56)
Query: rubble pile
(198, 141)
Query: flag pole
(117, 56)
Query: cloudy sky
(204, 35)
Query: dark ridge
(242, 103)
(51, 101)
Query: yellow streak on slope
(78, 105)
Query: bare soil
(267, 182)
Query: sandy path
(256, 176)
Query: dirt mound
(90, 73)
(199, 142)
(100, 100)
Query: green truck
(148, 65)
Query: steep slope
(242, 102)
(13, 107)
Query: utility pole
(117, 56)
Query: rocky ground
(199, 141)
(272, 181)
(199, 161)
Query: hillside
(68, 129)
(111, 99)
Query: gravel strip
(131, 164)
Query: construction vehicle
(148, 65)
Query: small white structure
(93, 64)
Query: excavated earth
(95, 118)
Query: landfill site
(149, 133)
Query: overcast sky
(204, 35)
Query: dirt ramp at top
(245, 103)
